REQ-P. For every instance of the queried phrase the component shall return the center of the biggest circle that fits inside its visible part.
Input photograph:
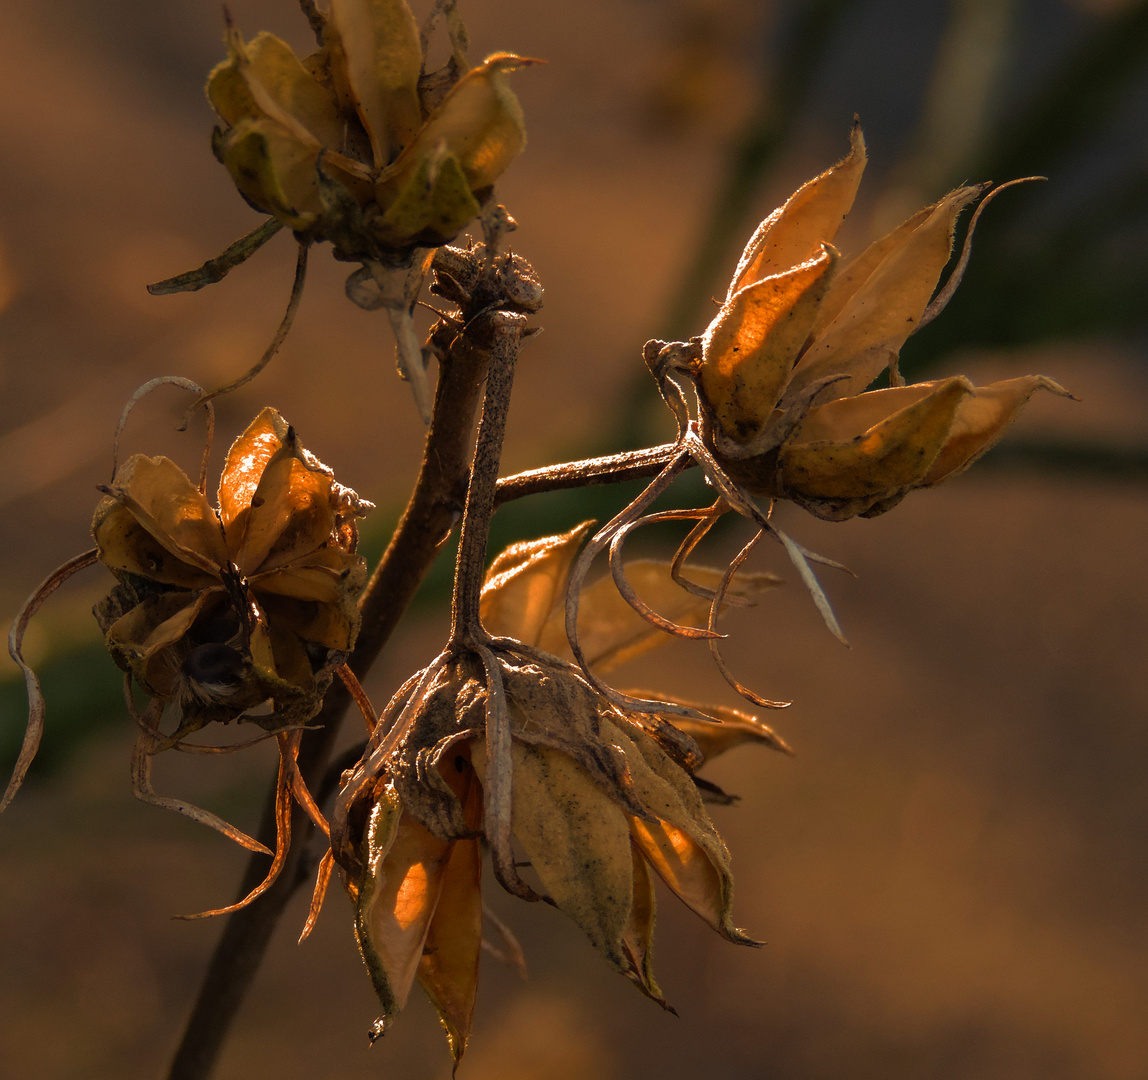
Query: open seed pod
(786, 362)
(221, 610)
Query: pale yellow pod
(982, 419)
(433, 207)
(480, 123)
(810, 217)
(885, 310)
(274, 171)
(749, 349)
(269, 61)
(840, 452)
(377, 42)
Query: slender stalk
(471, 561)
(612, 469)
(425, 523)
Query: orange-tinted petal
(749, 349)
(291, 516)
(448, 970)
(246, 459)
(810, 217)
(982, 419)
(397, 898)
(527, 581)
(877, 319)
(679, 841)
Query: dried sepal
(879, 317)
(749, 349)
(782, 371)
(810, 217)
(376, 61)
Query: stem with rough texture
(589, 472)
(427, 521)
(470, 565)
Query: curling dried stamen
(322, 880)
(142, 789)
(628, 593)
(941, 300)
(715, 609)
(281, 333)
(217, 269)
(355, 689)
(289, 758)
(183, 384)
(686, 548)
(34, 730)
(282, 846)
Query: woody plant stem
(426, 522)
(487, 349)
(470, 565)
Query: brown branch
(612, 469)
(470, 564)
(427, 521)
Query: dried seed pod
(784, 366)
(509, 743)
(220, 610)
(339, 146)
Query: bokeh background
(952, 874)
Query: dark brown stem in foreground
(589, 472)
(426, 522)
(471, 562)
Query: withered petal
(749, 349)
(810, 217)
(982, 419)
(378, 57)
(837, 466)
(167, 505)
(577, 840)
(680, 842)
(480, 123)
(527, 581)
(878, 318)
(396, 898)
(612, 632)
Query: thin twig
(470, 565)
(612, 469)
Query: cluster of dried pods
(511, 739)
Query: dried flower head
(782, 370)
(222, 609)
(509, 743)
(355, 143)
(359, 145)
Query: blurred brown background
(952, 875)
